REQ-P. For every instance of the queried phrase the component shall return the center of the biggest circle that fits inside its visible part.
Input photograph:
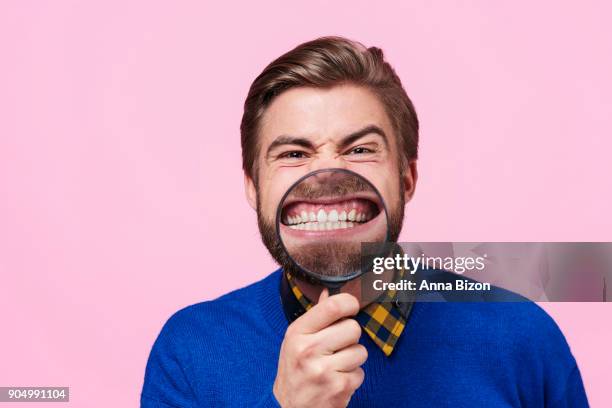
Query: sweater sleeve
(573, 393)
(166, 384)
(563, 385)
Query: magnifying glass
(323, 219)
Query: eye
(360, 150)
(294, 154)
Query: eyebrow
(353, 137)
(346, 140)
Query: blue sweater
(224, 353)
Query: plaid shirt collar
(383, 320)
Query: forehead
(322, 113)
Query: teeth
(351, 215)
(322, 226)
(321, 220)
(333, 216)
(321, 216)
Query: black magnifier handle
(334, 289)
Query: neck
(360, 287)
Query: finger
(347, 384)
(348, 359)
(356, 378)
(337, 336)
(326, 312)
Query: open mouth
(330, 215)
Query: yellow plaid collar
(383, 320)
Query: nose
(328, 162)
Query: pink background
(121, 195)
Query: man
(283, 341)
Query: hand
(320, 358)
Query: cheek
(384, 177)
(275, 183)
(389, 189)
(268, 202)
(271, 192)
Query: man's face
(307, 129)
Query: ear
(410, 179)
(250, 191)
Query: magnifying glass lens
(323, 219)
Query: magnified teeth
(333, 216)
(351, 215)
(321, 216)
(322, 226)
(329, 216)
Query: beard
(335, 258)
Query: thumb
(324, 295)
